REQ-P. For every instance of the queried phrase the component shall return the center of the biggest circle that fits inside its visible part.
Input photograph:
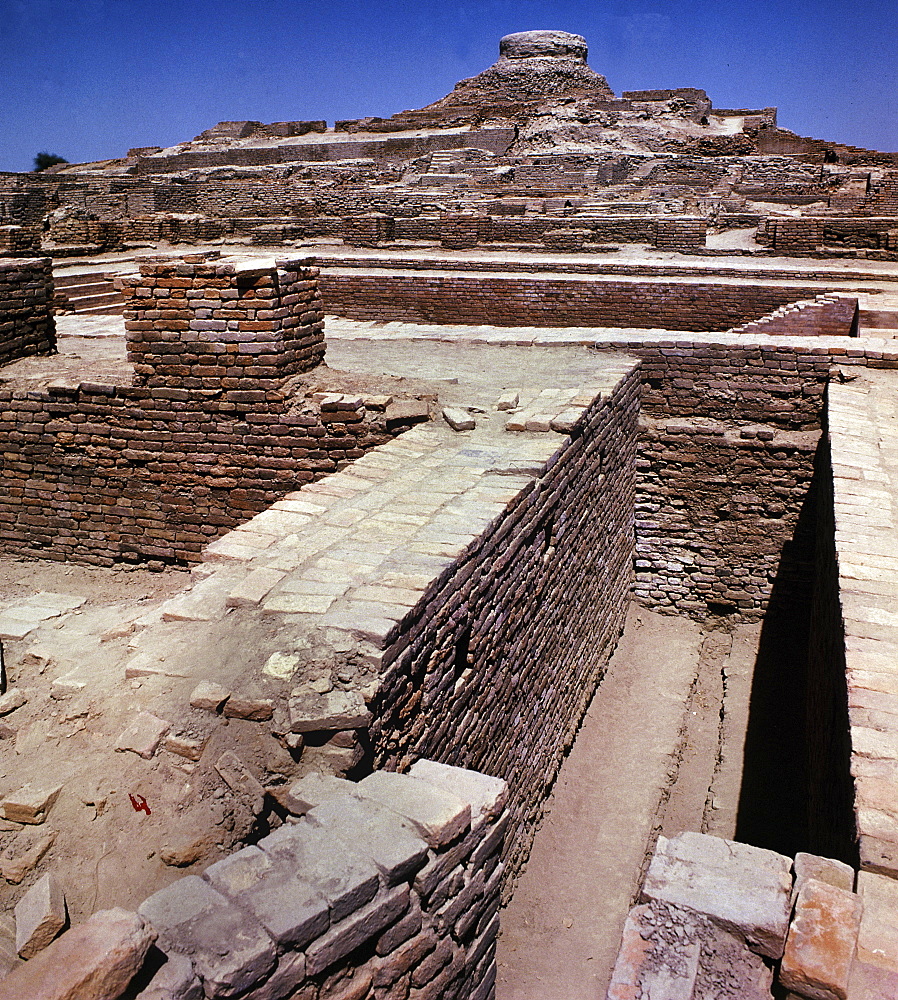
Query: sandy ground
(659, 751)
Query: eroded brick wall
(108, 473)
(26, 308)
(499, 667)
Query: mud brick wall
(207, 325)
(20, 239)
(26, 308)
(550, 301)
(104, 473)
(716, 504)
(497, 666)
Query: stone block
(13, 699)
(437, 815)
(40, 916)
(289, 909)
(313, 789)
(238, 777)
(822, 941)
(251, 709)
(877, 943)
(311, 711)
(229, 948)
(835, 873)
(486, 795)
(30, 804)
(93, 961)
(209, 696)
(458, 419)
(14, 867)
(746, 890)
(143, 735)
(345, 879)
(406, 411)
(377, 833)
(508, 400)
(176, 980)
(356, 929)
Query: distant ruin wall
(497, 669)
(550, 301)
(26, 308)
(213, 326)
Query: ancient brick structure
(26, 313)
(197, 325)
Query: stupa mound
(543, 44)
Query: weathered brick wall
(716, 504)
(108, 473)
(726, 457)
(207, 325)
(498, 668)
(26, 308)
(387, 888)
(551, 301)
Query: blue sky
(87, 79)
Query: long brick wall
(26, 308)
(495, 668)
(551, 301)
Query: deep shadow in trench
(798, 698)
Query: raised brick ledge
(863, 437)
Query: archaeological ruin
(453, 555)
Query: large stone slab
(291, 910)
(436, 814)
(822, 942)
(746, 890)
(374, 831)
(40, 916)
(229, 948)
(93, 961)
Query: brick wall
(387, 888)
(497, 669)
(26, 308)
(102, 473)
(551, 301)
(204, 325)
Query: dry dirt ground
(659, 751)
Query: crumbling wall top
(543, 44)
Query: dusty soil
(659, 751)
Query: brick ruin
(707, 441)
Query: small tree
(44, 160)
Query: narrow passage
(659, 750)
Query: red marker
(139, 803)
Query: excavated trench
(700, 726)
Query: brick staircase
(829, 315)
(91, 294)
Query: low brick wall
(388, 888)
(26, 308)
(551, 301)
(205, 325)
(108, 473)
(498, 663)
